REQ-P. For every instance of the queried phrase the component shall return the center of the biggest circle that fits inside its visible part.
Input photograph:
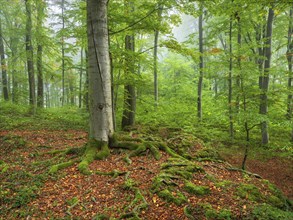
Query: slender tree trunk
(265, 78)
(80, 79)
(201, 65)
(3, 66)
(40, 86)
(156, 86)
(86, 84)
(238, 78)
(29, 54)
(290, 64)
(63, 53)
(100, 103)
(231, 129)
(129, 108)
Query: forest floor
(214, 191)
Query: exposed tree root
(55, 168)
(114, 173)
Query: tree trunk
(86, 84)
(156, 87)
(231, 129)
(264, 85)
(129, 108)
(290, 64)
(238, 78)
(3, 66)
(63, 54)
(40, 86)
(29, 54)
(80, 79)
(201, 65)
(100, 103)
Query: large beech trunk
(100, 99)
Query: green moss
(3, 166)
(129, 184)
(91, 154)
(249, 191)
(210, 153)
(169, 151)
(104, 151)
(127, 145)
(176, 197)
(196, 190)
(55, 168)
(276, 201)
(140, 149)
(114, 173)
(83, 167)
(268, 212)
(101, 217)
(224, 184)
(155, 152)
(76, 150)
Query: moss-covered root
(114, 173)
(55, 168)
(176, 196)
(139, 203)
(91, 154)
(168, 150)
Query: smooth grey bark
(201, 65)
(128, 117)
(100, 98)
(3, 65)
(264, 84)
(29, 54)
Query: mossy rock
(196, 190)
(224, 184)
(249, 191)
(208, 153)
(268, 212)
(206, 210)
(277, 199)
(176, 196)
